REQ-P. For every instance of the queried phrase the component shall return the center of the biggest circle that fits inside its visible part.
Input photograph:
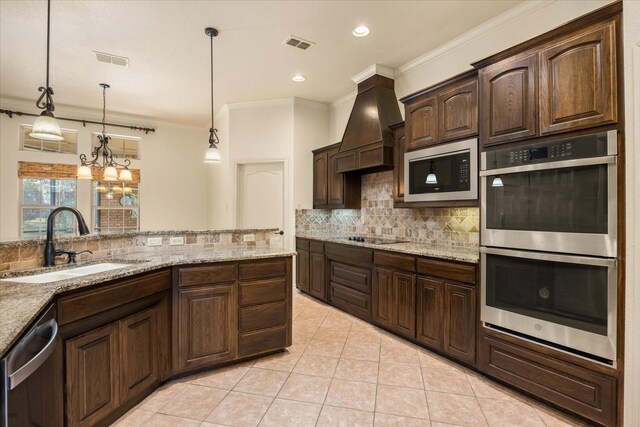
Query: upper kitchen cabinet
(562, 81)
(333, 190)
(445, 112)
(508, 100)
(578, 80)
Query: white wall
(171, 167)
(631, 24)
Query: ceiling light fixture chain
(47, 91)
(212, 155)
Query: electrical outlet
(177, 240)
(248, 237)
(154, 241)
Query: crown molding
(371, 71)
(518, 12)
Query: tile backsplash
(439, 226)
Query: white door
(260, 195)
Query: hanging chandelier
(102, 156)
(46, 126)
(212, 155)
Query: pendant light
(212, 155)
(431, 177)
(46, 126)
(102, 156)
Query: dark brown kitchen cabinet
(333, 190)
(93, 375)
(398, 163)
(207, 325)
(139, 344)
(316, 275)
(311, 268)
(302, 270)
(578, 80)
(382, 297)
(351, 288)
(421, 121)
(445, 112)
(430, 313)
(508, 96)
(458, 111)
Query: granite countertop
(454, 253)
(20, 303)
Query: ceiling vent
(108, 58)
(298, 42)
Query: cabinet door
(578, 86)
(421, 123)
(335, 181)
(207, 325)
(460, 322)
(302, 263)
(404, 297)
(383, 297)
(320, 184)
(93, 372)
(139, 353)
(317, 269)
(398, 168)
(430, 312)
(508, 94)
(458, 111)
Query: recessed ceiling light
(361, 31)
(298, 78)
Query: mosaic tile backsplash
(438, 226)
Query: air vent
(298, 42)
(108, 58)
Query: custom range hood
(367, 143)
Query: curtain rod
(146, 130)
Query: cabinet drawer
(192, 276)
(465, 273)
(85, 304)
(261, 269)
(302, 244)
(356, 278)
(348, 253)
(317, 247)
(396, 261)
(579, 390)
(261, 341)
(263, 291)
(262, 316)
(351, 301)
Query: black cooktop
(374, 240)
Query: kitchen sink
(71, 273)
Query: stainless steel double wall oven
(549, 242)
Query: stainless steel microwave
(442, 172)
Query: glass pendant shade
(46, 127)
(84, 172)
(212, 156)
(497, 182)
(125, 175)
(110, 174)
(431, 179)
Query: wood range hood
(367, 143)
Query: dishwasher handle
(16, 376)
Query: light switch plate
(176, 241)
(248, 237)
(154, 241)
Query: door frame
(286, 211)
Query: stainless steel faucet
(49, 250)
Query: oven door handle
(552, 165)
(544, 256)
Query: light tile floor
(340, 371)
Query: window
(39, 197)
(68, 145)
(115, 207)
(124, 147)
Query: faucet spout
(49, 250)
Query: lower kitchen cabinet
(93, 377)
(302, 270)
(311, 268)
(430, 330)
(394, 301)
(207, 325)
(351, 288)
(316, 275)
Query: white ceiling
(168, 75)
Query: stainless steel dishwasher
(31, 377)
